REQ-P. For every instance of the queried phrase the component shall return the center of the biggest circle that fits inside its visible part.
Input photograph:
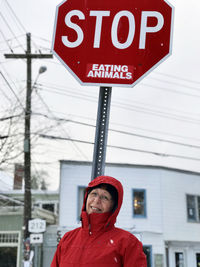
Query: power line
(122, 132)
(174, 91)
(80, 92)
(11, 50)
(67, 92)
(130, 107)
(157, 113)
(10, 87)
(134, 127)
(178, 78)
(19, 23)
(10, 117)
(15, 16)
(44, 103)
(3, 136)
(120, 147)
(7, 24)
(174, 83)
(12, 39)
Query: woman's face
(99, 201)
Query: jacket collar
(95, 222)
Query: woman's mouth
(95, 209)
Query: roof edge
(89, 163)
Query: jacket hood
(106, 180)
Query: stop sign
(109, 42)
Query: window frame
(149, 258)
(11, 239)
(39, 204)
(183, 261)
(140, 216)
(79, 204)
(197, 254)
(196, 208)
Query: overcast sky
(161, 114)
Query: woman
(98, 243)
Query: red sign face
(112, 43)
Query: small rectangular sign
(36, 238)
(37, 226)
(109, 71)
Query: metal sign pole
(35, 255)
(99, 154)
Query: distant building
(161, 207)
(44, 206)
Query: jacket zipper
(90, 232)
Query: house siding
(176, 185)
(165, 229)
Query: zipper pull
(90, 233)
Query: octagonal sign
(112, 43)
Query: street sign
(36, 238)
(37, 226)
(112, 43)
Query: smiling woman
(98, 242)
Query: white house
(6, 181)
(161, 207)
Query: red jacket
(98, 243)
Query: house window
(198, 259)
(9, 249)
(50, 207)
(81, 194)
(158, 260)
(148, 252)
(8, 256)
(139, 203)
(179, 259)
(193, 208)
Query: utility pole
(27, 134)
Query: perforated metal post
(101, 134)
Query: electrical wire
(177, 78)
(134, 127)
(121, 148)
(10, 87)
(6, 41)
(20, 24)
(130, 107)
(175, 83)
(8, 25)
(10, 117)
(46, 106)
(121, 132)
(15, 16)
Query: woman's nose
(97, 199)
